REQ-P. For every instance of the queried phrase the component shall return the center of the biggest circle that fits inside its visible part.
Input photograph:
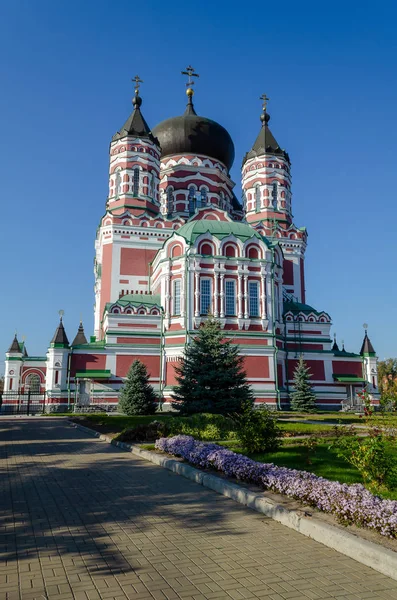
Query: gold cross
(137, 82)
(190, 73)
(265, 100)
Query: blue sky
(329, 69)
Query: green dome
(219, 229)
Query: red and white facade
(174, 245)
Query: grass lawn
(304, 428)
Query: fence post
(28, 407)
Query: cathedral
(174, 245)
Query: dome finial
(264, 116)
(137, 100)
(190, 72)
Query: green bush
(204, 426)
(257, 430)
(372, 456)
(149, 432)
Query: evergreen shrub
(137, 396)
(257, 430)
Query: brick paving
(83, 520)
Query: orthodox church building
(176, 244)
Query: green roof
(299, 307)
(348, 378)
(219, 229)
(93, 374)
(137, 300)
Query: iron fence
(16, 403)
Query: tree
(302, 398)
(137, 396)
(211, 377)
(1, 384)
(387, 380)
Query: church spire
(367, 348)
(14, 346)
(135, 125)
(265, 143)
(80, 336)
(60, 338)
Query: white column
(269, 311)
(216, 293)
(183, 292)
(239, 298)
(167, 294)
(196, 295)
(222, 296)
(263, 296)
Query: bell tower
(122, 256)
(266, 183)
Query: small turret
(57, 364)
(335, 347)
(370, 363)
(60, 338)
(80, 336)
(14, 348)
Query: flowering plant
(351, 504)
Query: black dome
(192, 134)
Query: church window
(230, 295)
(118, 183)
(151, 185)
(33, 383)
(192, 200)
(203, 196)
(205, 296)
(222, 200)
(253, 299)
(177, 297)
(56, 377)
(275, 194)
(257, 198)
(170, 199)
(136, 182)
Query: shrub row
(350, 504)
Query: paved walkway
(83, 520)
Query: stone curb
(372, 555)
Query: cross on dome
(137, 81)
(265, 100)
(190, 72)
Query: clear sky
(329, 69)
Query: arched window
(135, 190)
(222, 200)
(192, 200)
(33, 383)
(170, 199)
(257, 198)
(203, 196)
(118, 184)
(275, 195)
(177, 297)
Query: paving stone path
(83, 520)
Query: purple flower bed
(349, 503)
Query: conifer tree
(303, 398)
(137, 396)
(211, 377)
